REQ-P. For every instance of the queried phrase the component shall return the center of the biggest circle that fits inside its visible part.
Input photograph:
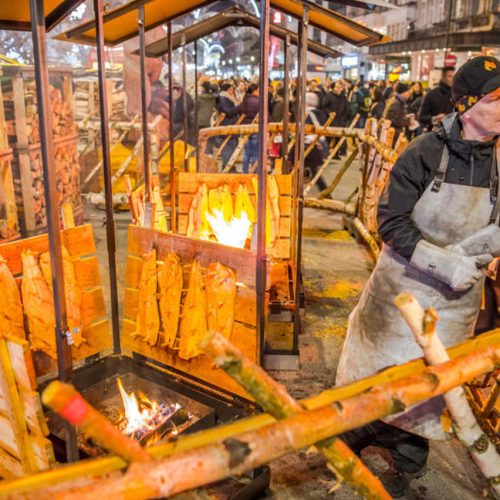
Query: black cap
(476, 77)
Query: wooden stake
(332, 205)
(274, 399)
(67, 402)
(423, 325)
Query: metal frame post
(144, 107)
(196, 121)
(286, 101)
(106, 164)
(262, 176)
(173, 204)
(298, 95)
(185, 99)
(299, 168)
(64, 360)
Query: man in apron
(438, 219)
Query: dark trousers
(409, 451)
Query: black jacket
(250, 108)
(415, 103)
(224, 104)
(470, 165)
(339, 105)
(437, 101)
(395, 111)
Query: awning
(230, 17)
(121, 24)
(368, 4)
(464, 41)
(15, 14)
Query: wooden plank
(200, 367)
(93, 306)
(190, 182)
(243, 262)
(43, 452)
(8, 440)
(10, 467)
(87, 272)
(78, 241)
(24, 159)
(20, 356)
(281, 249)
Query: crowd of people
(409, 106)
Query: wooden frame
(140, 241)
(79, 241)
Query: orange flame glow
(233, 233)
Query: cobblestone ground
(335, 271)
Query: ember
(148, 421)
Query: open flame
(142, 416)
(233, 233)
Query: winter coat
(250, 108)
(224, 103)
(415, 103)
(436, 102)
(395, 111)
(206, 108)
(470, 165)
(339, 105)
(278, 110)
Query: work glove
(484, 241)
(460, 272)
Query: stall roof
(121, 24)
(233, 16)
(368, 4)
(15, 14)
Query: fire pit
(146, 404)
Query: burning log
(65, 400)
(423, 325)
(233, 455)
(274, 399)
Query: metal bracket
(69, 335)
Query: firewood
(274, 399)
(67, 402)
(222, 458)
(423, 325)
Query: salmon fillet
(221, 298)
(38, 306)
(148, 318)
(170, 286)
(194, 314)
(11, 307)
(72, 294)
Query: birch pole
(274, 399)
(227, 456)
(423, 325)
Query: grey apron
(377, 335)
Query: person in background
(414, 105)
(396, 108)
(378, 105)
(225, 103)
(278, 109)
(361, 103)
(316, 117)
(159, 96)
(178, 113)
(336, 102)
(206, 104)
(250, 108)
(239, 91)
(437, 103)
